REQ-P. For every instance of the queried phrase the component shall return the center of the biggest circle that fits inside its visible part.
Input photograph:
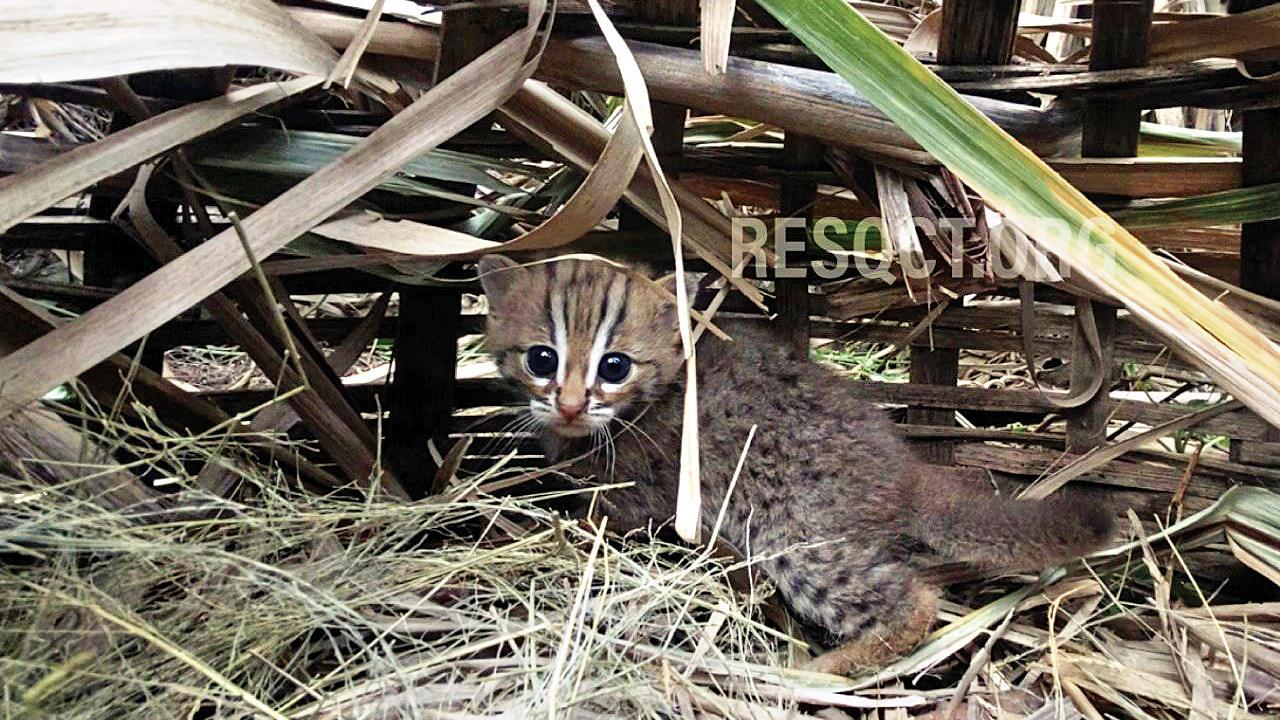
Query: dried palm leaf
(462, 99)
(39, 187)
(56, 40)
(1224, 36)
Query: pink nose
(570, 411)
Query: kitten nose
(571, 409)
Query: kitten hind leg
(899, 632)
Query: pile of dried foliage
(263, 564)
(271, 602)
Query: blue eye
(541, 361)
(614, 368)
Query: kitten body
(830, 496)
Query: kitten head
(585, 340)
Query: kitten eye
(614, 367)
(541, 361)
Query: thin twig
(277, 316)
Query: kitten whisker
(613, 455)
(498, 435)
(637, 431)
(509, 435)
(596, 445)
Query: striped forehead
(585, 306)
(580, 300)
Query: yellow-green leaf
(1059, 217)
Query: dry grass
(472, 604)
(118, 600)
(319, 607)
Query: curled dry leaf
(57, 40)
(39, 187)
(465, 97)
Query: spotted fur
(840, 515)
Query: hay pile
(275, 603)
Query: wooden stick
(796, 199)
(1111, 129)
(1260, 155)
(816, 103)
(961, 42)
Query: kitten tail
(963, 522)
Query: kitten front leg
(901, 629)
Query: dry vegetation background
(199, 516)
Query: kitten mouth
(574, 428)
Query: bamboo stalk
(816, 103)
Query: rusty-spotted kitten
(841, 516)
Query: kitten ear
(498, 274)
(690, 280)
(670, 283)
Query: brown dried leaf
(57, 40)
(464, 98)
(39, 187)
